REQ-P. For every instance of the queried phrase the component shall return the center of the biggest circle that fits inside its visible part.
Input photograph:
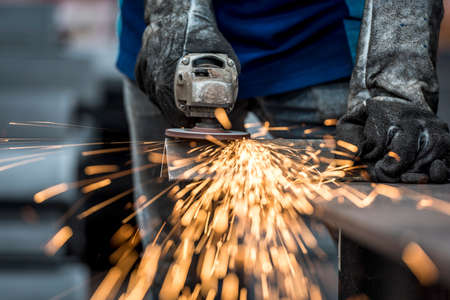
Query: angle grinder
(204, 83)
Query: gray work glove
(394, 94)
(398, 142)
(175, 28)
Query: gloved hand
(394, 94)
(397, 141)
(175, 28)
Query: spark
(95, 186)
(213, 140)
(108, 288)
(389, 191)
(103, 204)
(222, 117)
(394, 156)
(51, 192)
(89, 184)
(149, 202)
(311, 130)
(420, 264)
(230, 289)
(252, 197)
(105, 151)
(123, 234)
(58, 240)
(435, 204)
(280, 128)
(112, 176)
(330, 122)
(100, 169)
(347, 145)
(243, 294)
(107, 284)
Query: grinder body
(203, 83)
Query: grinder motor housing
(204, 82)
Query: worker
(295, 59)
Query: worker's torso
(282, 45)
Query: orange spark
(230, 288)
(310, 130)
(58, 240)
(243, 294)
(279, 128)
(330, 122)
(156, 158)
(124, 233)
(348, 146)
(394, 156)
(95, 186)
(104, 151)
(389, 191)
(255, 192)
(435, 204)
(243, 214)
(116, 275)
(149, 202)
(100, 169)
(420, 264)
(51, 192)
(222, 117)
(213, 140)
(103, 204)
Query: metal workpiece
(417, 217)
(204, 82)
(176, 149)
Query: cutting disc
(198, 133)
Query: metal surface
(387, 226)
(204, 82)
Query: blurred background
(57, 63)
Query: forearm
(157, 9)
(396, 58)
(196, 17)
(176, 28)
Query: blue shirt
(282, 45)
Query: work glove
(175, 28)
(394, 95)
(397, 141)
